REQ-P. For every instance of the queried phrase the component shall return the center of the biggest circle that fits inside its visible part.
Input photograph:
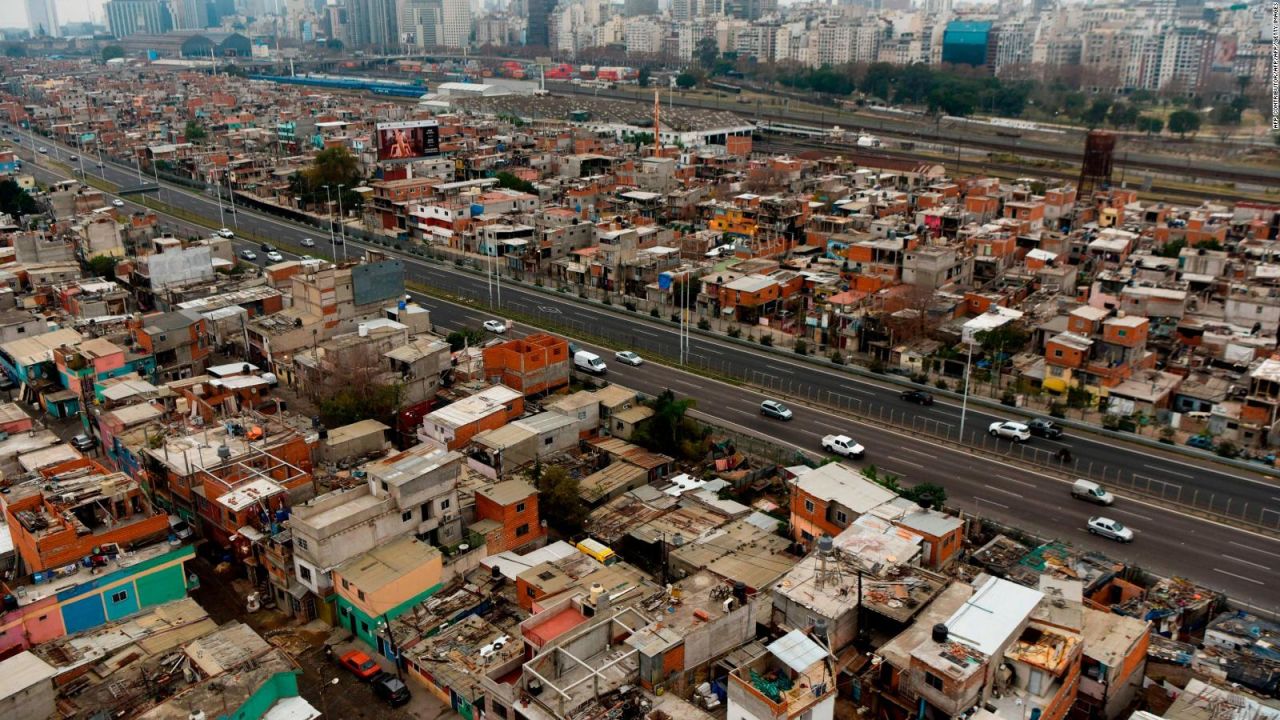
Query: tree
(686, 80)
(350, 386)
(467, 337)
(511, 182)
(112, 52)
(707, 51)
(103, 266)
(1096, 113)
(1149, 125)
(668, 430)
(878, 82)
(15, 51)
(1122, 115)
(1184, 122)
(15, 201)
(559, 501)
(999, 343)
(195, 132)
(333, 166)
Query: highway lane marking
(990, 502)
(1001, 490)
(779, 369)
(1135, 514)
(860, 391)
(1169, 472)
(900, 475)
(1033, 486)
(931, 456)
(1239, 577)
(295, 229)
(706, 350)
(908, 462)
(1246, 562)
(645, 332)
(1254, 549)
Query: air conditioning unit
(446, 517)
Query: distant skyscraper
(190, 14)
(457, 23)
(372, 23)
(538, 32)
(42, 18)
(422, 22)
(130, 17)
(636, 8)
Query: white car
(44, 150)
(226, 233)
(495, 326)
(275, 256)
(1108, 528)
(1009, 430)
(249, 255)
(627, 357)
(118, 202)
(843, 445)
(308, 242)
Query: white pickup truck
(842, 445)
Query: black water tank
(740, 592)
(10, 603)
(496, 573)
(940, 633)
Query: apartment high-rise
(457, 23)
(422, 22)
(372, 23)
(42, 18)
(538, 32)
(130, 17)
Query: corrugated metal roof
(797, 651)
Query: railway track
(794, 146)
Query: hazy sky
(13, 13)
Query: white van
(589, 362)
(179, 528)
(1091, 491)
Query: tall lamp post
(342, 226)
(964, 403)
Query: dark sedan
(919, 397)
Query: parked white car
(495, 326)
(1009, 430)
(226, 233)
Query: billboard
(408, 140)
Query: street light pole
(328, 210)
(964, 404)
(342, 226)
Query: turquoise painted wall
(281, 685)
(366, 627)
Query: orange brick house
(52, 527)
(826, 500)
(534, 364)
(508, 512)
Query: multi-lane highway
(1242, 563)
